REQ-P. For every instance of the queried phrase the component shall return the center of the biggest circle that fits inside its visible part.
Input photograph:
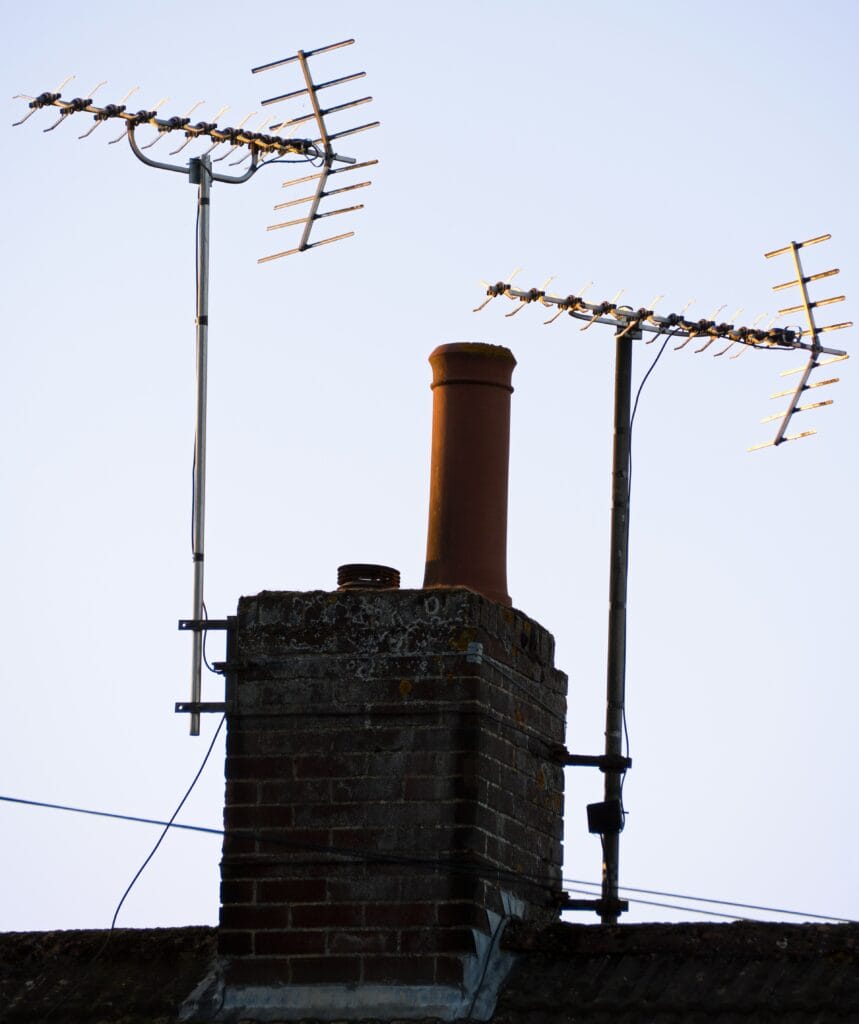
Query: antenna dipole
(607, 818)
(815, 349)
(259, 149)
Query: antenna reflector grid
(323, 146)
(813, 332)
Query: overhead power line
(441, 865)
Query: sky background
(661, 148)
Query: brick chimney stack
(394, 791)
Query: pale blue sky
(661, 148)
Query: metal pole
(200, 172)
(619, 562)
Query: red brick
(291, 843)
(438, 940)
(240, 792)
(336, 815)
(362, 790)
(298, 842)
(264, 768)
(254, 916)
(238, 846)
(234, 943)
(464, 913)
(405, 970)
(405, 815)
(437, 785)
(325, 915)
(333, 969)
(254, 818)
(369, 740)
(357, 840)
(464, 887)
(326, 767)
(365, 941)
(375, 889)
(237, 892)
(292, 890)
(400, 915)
(416, 886)
(428, 788)
(258, 971)
(290, 791)
(448, 970)
(289, 943)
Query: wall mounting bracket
(202, 625)
(603, 906)
(605, 762)
(198, 707)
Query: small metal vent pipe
(467, 536)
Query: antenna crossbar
(628, 321)
(259, 141)
(627, 318)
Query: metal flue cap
(364, 576)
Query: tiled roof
(672, 973)
(567, 974)
(141, 977)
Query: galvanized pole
(200, 174)
(619, 564)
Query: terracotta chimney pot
(467, 536)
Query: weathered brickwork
(385, 783)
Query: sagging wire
(461, 867)
(707, 899)
(667, 906)
(167, 825)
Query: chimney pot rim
(474, 348)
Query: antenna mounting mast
(607, 817)
(258, 148)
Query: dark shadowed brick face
(356, 718)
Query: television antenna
(607, 817)
(270, 143)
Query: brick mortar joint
(534, 673)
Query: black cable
(644, 381)
(167, 826)
(205, 638)
(723, 903)
(650, 370)
(464, 867)
(673, 906)
(354, 853)
(109, 814)
(312, 160)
